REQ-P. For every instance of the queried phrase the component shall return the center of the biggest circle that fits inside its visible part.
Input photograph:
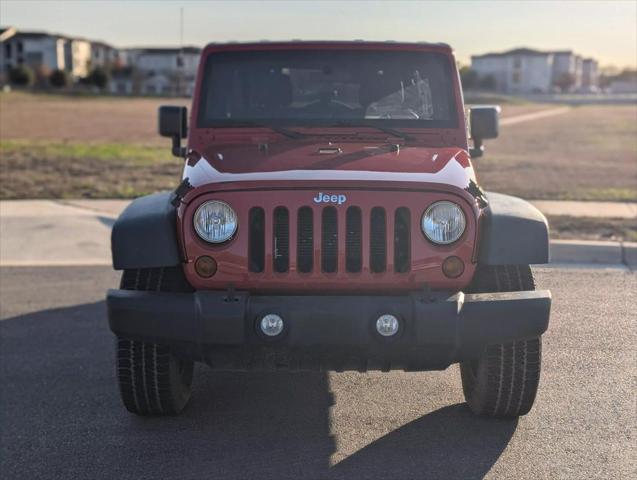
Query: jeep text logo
(325, 198)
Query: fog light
(206, 266)
(387, 325)
(271, 325)
(452, 267)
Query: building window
(7, 50)
(517, 62)
(34, 59)
(20, 47)
(516, 77)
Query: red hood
(298, 160)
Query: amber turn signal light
(452, 267)
(206, 266)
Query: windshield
(388, 88)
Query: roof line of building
(523, 51)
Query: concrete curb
(594, 253)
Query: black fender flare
(145, 234)
(513, 232)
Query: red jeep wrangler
(329, 218)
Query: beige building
(45, 52)
(158, 71)
(525, 70)
(522, 70)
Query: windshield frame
(410, 125)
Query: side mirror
(484, 123)
(173, 123)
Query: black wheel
(504, 380)
(152, 379)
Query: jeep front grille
(256, 240)
(402, 245)
(354, 240)
(281, 246)
(329, 243)
(378, 240)
(357, 225)
(305, 240)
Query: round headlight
(215, 221)
(443, 222)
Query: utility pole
(181, 27)
(180, 61)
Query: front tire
(152, 379)
(503, 381)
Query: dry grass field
(91, 147)
(79, 119)
(588, 153)
(56, 146)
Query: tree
(21, 75)
(59, 79)
(565, 81)
(99, 77)
(487, 82)
(468, 77)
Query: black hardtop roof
(353, 43)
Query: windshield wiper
(283, 131)
(390, 131)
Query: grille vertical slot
(402, 244)
(329, 240)
(305, 240)
(378, 240)
(281, 240)
(256, 240)
(353, 240)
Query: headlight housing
(443, 222)
(215, 221)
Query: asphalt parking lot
(61, 416)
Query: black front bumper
(328, 332)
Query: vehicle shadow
(448, 443)
(61, 417)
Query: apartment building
(158, 71)
(522, 70)
(43, 51)
(525, 70)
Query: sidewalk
(624, 210)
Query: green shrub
(468, 77)
(59, 79)
(21, 75)
(99, 77)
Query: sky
(605, 30)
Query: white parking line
(71, 262)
